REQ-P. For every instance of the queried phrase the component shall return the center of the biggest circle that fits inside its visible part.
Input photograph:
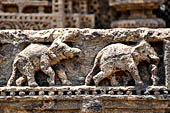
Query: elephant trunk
(76, 52)
(73, 52)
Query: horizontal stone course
(77, 97)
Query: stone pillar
(41, 9)
(140, 13)
(77, 16)
(58, 11)
(70, 7)
(1, 7)
(83, 6)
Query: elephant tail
(14, 71)
(93, 70)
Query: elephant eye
(143, 51)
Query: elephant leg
(113, 80)
(47, 69)
(63, 77)
(12, 78)
(135, 74)
(126, 78)
(28, 71)
(21, 80)
(13, 75)
(98, 77)
(88, 79)
(101, 75)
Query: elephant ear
(135, 54)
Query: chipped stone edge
(114, 35)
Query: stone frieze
(51, 68)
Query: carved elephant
(121, 57)
(38, 57)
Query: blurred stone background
(45, 14)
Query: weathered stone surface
(45, 14)
(125, 97)
(136, 14)
(85, 101)
(88, 40)
(119, 57)
(38, 57)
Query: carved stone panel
(131, 58)
(85, 70)
(117, 58)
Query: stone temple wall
(85, 71)
(53, 60)
(45, 14)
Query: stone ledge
(83, 102)
(78, 92)
(113, 35)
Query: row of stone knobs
(78, 92)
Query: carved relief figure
(41, 57)
(121, 57)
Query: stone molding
(78, 98)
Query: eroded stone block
(59, 61)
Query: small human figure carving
(154, 77)
(121, 57)
(37, 57)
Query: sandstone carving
(140, 13)
(116, 49)
(121, 57)
(45, 14)
(37, 57)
